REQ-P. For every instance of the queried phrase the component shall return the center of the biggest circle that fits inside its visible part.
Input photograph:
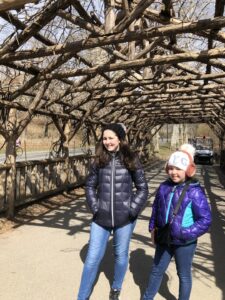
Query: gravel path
(42, 257)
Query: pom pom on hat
(189, 149)
(117, 128)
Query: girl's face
(176, 175)
(110, 140)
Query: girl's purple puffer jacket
(194, 201)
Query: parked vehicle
(203, 149)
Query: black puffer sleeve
(91, 189)
(141, 194)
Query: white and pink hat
(179, 160)
(183, 159)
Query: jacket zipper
(170, 201)
(112, 188)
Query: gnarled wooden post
(222, 151)
(66, 144)
(175, 137)
(11, 160)
(109, 15)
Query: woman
(114, 205)
(191, 221)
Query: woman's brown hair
(126, 155)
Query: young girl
(192, 220)
(114, 205)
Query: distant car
(203, 150)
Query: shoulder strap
(181, 198)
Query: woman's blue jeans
(183, 258)
(99, 237)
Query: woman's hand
(153, 236)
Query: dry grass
(5, 225)
(36, 144)
(35, 137)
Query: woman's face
(176, 175)
(110, 140)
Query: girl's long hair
(126, 155)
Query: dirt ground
(36, 209)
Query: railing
(38, 179)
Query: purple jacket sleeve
(202, 216)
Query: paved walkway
(43, 259)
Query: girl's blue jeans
(183, 258)
(99, 237)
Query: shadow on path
(73, 216)
(140, 267)
(214, 183)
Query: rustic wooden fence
(38, 179)
(42, 178)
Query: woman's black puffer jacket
(110, 195)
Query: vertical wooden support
(11, 159)
(185, 134)
(66, 144)
(180, 136)
(131, 45)
(151, 145)
(175, 137)
(146, 71)
(222, 151)
(109, 15)
(153, 141)
(156, 136)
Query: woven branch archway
(145, 63)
